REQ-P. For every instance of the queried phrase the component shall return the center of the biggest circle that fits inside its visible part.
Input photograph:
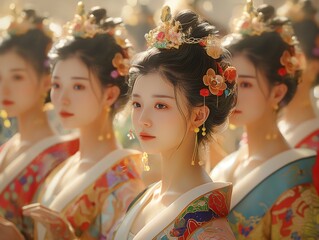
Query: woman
(30, 155)
(182, 88)
(299, 123)
(274, 196)
(88, 195)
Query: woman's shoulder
(207, 204)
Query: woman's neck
(178, 173)
(264, 141)
(94, 144)
(34, 125)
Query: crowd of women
(67, 173)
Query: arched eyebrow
(246, 76)
(154, 96)
(73, 78)
(18, 69)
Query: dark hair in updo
(307, 30)
(33, 45)
(185, 67)
(97, 53)
(265, 50)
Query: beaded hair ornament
(83, 26)
(251, 23)
(169, 35)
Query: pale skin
(258, 118)
(25, 91)
(77, 91)
(161, 129)
(22, 93)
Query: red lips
(146, 136)
(66, 114)
(7, 102)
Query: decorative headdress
(86, 26)
(169, 35)
(252, 23)
(24, 21)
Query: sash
(269, 181)
(25, 158)
(80, 183)
(167, 216)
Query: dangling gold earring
(6, 121)
(273, 135)
(204, 128)
(103, 135)
(145, 162)
(196, 130)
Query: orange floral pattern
(215, 83)
(290, 62)
(121, 64)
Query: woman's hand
(9, 231)
(57, 227)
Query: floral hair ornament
(169, 35)
(26, 20)
(252, 23)
(86, 26)
(216, 83)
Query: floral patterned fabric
(198, 216)
(24, 187)
(94, 213)
(283, 206)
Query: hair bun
(308, 8)
(99, 14)
(267, 11)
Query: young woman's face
(76, 94)
(158, 122)
(20, 87)
(252, 93)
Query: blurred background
(139, 15)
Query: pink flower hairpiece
(169, 35)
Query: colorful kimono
(191, 216)
(305, 135)
(21, 179)
(94, 202)
(277, 200)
